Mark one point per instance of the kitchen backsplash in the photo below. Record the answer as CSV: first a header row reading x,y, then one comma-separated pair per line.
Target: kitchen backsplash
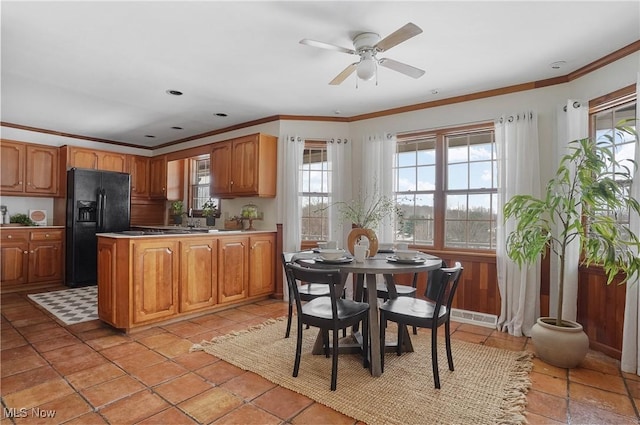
x,y
22,205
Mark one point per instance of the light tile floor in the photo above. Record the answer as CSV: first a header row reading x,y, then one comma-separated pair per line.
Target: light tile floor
x,y
89,373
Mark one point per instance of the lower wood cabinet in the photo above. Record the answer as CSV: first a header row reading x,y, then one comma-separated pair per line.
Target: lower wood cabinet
x,y
155,279
143,280
198,274
30,256
262,251
233,268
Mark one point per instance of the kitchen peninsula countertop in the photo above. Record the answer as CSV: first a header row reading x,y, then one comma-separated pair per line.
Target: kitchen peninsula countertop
x,y
173,231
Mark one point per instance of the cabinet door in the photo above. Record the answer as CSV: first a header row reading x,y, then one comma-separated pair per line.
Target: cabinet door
x,y
220,169
107,281
158,177
11,167
155,279
14,262
82,158
42,170
261,265
244,174
45,261
198,273
139,170
233,269
112,161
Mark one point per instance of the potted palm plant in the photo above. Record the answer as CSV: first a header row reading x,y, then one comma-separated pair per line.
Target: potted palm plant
x,y
586,201
210,211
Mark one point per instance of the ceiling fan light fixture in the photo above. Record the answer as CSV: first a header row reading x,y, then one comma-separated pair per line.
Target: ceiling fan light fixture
x,y
366,69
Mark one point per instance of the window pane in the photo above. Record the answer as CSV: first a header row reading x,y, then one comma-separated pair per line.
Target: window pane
x,y
426,178
406,180
456,207
315,196
480,175
457,176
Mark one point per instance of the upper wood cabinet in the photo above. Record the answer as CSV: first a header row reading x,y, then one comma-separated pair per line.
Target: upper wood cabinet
x,y
245,166
94,159
139,171
158,177
28,169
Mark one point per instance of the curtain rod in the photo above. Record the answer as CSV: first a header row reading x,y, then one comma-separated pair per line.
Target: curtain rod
x,y
576,105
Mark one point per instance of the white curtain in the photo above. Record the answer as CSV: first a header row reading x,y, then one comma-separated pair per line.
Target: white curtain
x,y
289,198
518,173
377,175
573,124
630,361
339,156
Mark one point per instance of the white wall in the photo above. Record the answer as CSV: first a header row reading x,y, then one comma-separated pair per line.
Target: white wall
x,y
545,101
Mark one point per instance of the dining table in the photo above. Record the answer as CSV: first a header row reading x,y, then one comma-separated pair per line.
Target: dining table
x,y
385,264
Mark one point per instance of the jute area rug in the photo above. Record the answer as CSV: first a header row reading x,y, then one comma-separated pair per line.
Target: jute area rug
x,y
488,385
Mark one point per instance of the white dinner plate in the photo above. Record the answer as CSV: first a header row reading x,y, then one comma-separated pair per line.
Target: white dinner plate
x,y
414,260
341,260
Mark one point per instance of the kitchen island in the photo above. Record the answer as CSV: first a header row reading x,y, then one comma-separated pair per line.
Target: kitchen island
x,y
149,277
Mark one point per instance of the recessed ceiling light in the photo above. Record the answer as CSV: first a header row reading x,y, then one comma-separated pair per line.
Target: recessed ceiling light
x,y
174,92
434,91
176,128
558,64
337,112
149,136
220,114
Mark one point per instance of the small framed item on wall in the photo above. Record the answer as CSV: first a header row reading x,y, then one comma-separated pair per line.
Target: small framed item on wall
x,y
39,217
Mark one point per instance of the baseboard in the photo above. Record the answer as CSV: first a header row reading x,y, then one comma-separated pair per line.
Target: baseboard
x,y
474,318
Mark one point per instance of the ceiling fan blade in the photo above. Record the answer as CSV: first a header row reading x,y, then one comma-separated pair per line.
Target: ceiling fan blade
x,y
323,45
344,74
409,70
393,39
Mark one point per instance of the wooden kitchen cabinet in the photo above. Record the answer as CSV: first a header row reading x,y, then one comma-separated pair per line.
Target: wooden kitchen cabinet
x,y
31,256
262,253
245,166
139,171
233,269
152,279
198,273
155,279
28,169
14,258
95,159
158,177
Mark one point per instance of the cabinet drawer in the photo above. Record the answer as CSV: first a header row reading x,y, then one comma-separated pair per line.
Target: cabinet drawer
x,y
49,235
13,236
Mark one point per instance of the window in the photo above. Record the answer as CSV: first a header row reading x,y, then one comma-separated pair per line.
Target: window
x,y
446,187
199,171
605,116
315,191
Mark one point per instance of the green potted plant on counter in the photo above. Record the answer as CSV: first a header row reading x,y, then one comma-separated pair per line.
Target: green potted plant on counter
x,y
588,201
210,211
176,211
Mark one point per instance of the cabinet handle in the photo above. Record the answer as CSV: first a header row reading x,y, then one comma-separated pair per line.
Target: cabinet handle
x,y
31,252
46,235
19,182
9,236
25,252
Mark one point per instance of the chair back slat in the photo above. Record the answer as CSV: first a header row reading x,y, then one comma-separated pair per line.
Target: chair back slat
x,y
442,286
330,277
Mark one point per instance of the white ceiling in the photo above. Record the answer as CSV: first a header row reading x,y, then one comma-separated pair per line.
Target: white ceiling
x,y
101,69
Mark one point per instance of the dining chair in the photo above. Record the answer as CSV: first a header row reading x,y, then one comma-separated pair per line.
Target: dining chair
x,y
432,313
307,291
329,313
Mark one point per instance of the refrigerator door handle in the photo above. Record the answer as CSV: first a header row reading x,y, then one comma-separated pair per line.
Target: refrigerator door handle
x,y
104,209
100,212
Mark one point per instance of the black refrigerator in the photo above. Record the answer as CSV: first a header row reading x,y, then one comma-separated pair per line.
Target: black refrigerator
x,y
97,202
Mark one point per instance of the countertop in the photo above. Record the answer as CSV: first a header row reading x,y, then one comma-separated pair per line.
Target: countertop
x,y
12,226
173,231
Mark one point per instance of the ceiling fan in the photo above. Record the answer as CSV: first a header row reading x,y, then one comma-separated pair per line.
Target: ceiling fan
x,y
367,45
